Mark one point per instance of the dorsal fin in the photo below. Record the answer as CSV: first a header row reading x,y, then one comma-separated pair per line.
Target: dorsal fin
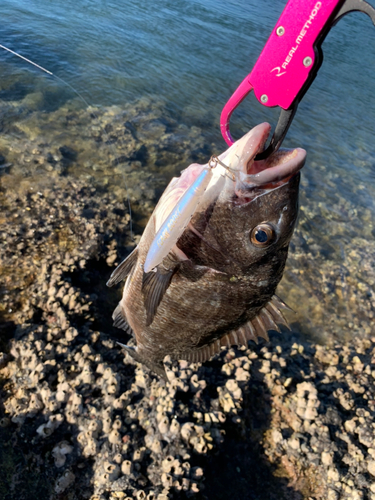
x,y
273,307
280,303
156,283
249,332
124,269
266,319
260,327
120,321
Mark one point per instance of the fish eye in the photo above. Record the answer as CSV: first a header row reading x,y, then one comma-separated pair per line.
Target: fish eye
x,y
262,235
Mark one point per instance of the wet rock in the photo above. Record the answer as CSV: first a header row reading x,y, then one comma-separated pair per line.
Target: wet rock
x,y
68,153
64,481
140,154
371,467
59,453
70,397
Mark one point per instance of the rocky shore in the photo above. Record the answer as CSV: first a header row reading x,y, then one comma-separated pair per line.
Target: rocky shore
x,y
289,419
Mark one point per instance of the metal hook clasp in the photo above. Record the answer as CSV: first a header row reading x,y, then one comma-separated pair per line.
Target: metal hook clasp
x,y
213,161
229,171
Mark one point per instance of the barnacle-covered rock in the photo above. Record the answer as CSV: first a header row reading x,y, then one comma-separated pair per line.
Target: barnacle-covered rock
x,y
67,386
60,451
64,481
126,467
52,424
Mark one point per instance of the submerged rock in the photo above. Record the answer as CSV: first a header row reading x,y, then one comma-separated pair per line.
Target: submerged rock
x,y
88,423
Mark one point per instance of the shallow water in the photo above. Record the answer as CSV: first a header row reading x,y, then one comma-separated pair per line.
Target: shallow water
x,y
170,67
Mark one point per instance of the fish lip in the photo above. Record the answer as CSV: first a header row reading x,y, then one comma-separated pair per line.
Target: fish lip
x,y
272,172
276,170
261,133
246,148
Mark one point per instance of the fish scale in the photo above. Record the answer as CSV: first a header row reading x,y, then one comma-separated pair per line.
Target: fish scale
x,y
216,287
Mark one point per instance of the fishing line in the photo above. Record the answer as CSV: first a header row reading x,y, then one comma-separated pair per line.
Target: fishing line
x,y
80,96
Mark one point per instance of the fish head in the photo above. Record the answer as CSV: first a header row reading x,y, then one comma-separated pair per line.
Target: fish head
x,y
254,214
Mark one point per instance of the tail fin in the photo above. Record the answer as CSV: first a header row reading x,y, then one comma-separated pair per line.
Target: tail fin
x,y
157,368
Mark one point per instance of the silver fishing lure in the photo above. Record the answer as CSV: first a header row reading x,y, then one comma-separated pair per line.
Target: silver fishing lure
x,y
180,216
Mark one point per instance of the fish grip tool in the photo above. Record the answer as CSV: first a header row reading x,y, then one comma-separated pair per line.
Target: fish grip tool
x,y
289,62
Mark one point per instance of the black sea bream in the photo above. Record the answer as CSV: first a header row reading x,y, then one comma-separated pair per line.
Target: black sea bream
x,y
216,287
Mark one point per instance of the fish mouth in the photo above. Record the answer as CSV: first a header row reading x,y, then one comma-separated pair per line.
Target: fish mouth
x,y
270,173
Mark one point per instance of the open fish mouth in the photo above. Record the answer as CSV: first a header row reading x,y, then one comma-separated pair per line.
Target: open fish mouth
x,y
270,173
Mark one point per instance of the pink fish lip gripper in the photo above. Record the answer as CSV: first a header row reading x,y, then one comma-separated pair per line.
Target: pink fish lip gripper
x,y
289,62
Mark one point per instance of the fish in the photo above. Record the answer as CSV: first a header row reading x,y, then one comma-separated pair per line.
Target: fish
x,y
216,286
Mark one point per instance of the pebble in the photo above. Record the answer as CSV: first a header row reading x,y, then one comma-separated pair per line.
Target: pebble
x,y
70,397
371,467
64,481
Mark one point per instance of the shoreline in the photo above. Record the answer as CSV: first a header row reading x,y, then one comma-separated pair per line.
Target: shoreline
x,y
287,419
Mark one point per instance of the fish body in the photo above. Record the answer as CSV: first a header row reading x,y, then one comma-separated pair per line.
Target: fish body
x,y
216,286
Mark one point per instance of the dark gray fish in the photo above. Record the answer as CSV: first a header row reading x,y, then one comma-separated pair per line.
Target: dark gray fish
x,y
216,287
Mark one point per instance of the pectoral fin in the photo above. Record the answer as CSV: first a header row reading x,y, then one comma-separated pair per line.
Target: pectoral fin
x,y
155,284
124,269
